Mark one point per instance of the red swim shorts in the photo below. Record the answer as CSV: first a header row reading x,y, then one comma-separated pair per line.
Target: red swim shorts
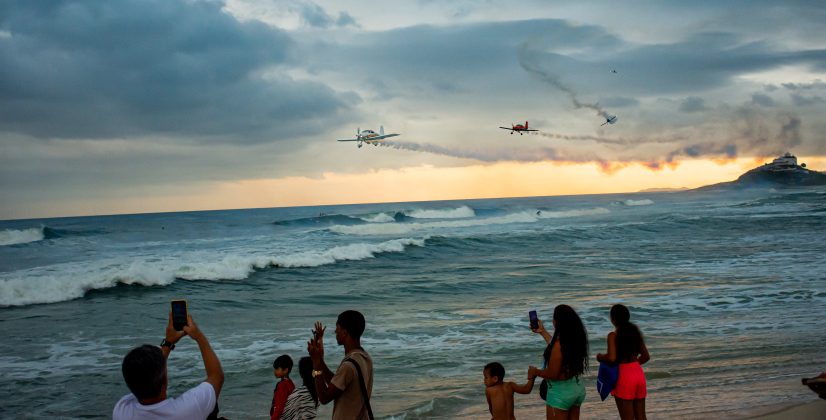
x,y
631,382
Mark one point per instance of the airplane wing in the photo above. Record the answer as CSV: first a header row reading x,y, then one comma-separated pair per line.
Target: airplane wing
x,y
349,140
507,128
528,130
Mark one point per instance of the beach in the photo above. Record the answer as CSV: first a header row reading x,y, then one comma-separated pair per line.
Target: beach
x,y
815,410
728,289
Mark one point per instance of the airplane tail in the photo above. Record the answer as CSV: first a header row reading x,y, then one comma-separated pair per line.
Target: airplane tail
x,y
526,125
381,130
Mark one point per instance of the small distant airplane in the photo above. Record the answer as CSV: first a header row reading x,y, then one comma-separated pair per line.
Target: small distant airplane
x,y
613,71
519,128
611,119
370,136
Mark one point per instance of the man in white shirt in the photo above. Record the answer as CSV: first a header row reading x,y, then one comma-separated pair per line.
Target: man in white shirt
x,y
144,370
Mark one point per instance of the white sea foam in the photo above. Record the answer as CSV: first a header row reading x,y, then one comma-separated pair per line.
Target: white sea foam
x,y
643,202
457,213
13,237
377,229
572,213
358,251
379,218
68,281
529,216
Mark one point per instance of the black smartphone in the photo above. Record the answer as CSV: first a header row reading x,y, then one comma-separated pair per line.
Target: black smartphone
x,y
534,320
178,314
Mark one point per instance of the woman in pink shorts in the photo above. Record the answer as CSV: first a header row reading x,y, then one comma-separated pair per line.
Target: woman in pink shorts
x,y
627,347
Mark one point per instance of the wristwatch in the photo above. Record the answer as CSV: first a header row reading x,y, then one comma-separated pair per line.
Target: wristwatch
x,y
169,344
316,373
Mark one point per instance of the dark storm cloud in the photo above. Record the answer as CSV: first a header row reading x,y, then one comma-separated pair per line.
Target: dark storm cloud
x,y
344,19
315,16
481,56
762,100
700,62
478,55
805,94
816,85
129,68
802,100
692,104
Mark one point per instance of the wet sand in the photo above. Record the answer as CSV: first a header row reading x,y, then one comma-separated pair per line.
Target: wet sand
x,y
815,410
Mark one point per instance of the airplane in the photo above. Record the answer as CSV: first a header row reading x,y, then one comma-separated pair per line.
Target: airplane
x,y
613,71
370,136
518,128
611,119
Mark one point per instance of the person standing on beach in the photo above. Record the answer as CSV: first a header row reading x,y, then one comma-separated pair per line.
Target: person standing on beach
x,y
627,347
302,404
566,359
500,393
350,387
281,367
144,371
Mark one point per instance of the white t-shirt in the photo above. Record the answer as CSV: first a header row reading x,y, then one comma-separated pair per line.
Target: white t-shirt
x,y
195,404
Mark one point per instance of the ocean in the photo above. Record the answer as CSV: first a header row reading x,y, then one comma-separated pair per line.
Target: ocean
x,y
729,290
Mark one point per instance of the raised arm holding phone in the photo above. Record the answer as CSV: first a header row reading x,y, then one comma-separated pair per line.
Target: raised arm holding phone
x,y
144,371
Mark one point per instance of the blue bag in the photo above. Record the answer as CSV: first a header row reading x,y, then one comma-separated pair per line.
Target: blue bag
x,y
606,379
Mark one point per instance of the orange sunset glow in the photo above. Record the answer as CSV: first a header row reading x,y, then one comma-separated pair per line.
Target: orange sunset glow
x,y
424,183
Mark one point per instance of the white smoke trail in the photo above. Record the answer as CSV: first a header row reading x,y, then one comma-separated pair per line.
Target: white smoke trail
x,y
597,139
744,130
518,155
526,60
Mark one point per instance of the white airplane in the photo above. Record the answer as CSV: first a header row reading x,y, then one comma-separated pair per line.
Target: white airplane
x,y
611,119
370,136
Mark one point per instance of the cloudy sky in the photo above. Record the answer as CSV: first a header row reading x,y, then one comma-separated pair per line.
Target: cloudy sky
x,y
126,106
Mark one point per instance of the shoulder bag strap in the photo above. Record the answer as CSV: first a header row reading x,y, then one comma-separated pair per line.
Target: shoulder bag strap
x,y
363,388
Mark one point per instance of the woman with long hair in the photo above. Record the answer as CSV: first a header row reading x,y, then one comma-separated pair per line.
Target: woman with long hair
x,y
627,347
303,402
566,359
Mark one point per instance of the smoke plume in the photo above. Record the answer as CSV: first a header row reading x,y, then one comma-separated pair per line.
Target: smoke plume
x,y
527,59
518,155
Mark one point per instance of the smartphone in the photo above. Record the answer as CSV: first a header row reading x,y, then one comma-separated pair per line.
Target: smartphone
x,y
534,320
178,314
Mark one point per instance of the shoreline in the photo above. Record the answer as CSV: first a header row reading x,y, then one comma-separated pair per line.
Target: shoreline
x,y
813,410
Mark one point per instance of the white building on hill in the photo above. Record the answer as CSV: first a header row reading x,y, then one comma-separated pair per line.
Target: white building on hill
x,y
787,161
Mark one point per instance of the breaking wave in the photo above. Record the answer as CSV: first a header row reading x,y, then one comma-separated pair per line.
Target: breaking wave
x,y
63,282
22,236
527,216
629,202
457,213
379,218
326,220
320,220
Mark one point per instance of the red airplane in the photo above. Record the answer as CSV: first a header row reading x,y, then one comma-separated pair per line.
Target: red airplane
x,y
519,128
